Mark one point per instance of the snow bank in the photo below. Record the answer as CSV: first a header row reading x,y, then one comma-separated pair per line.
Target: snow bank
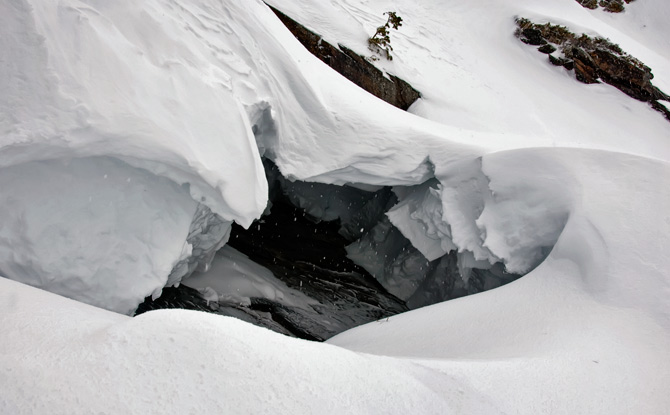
x,y
65,357
125,152
586,331
195,92
179,90
66,228
176,96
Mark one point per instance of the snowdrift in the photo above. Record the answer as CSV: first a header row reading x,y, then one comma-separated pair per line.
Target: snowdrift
x,y
69,358
190,95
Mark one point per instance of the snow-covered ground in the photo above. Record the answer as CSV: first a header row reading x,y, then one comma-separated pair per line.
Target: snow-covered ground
x,y
122,122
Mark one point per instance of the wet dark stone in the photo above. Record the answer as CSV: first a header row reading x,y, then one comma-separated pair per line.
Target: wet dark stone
x,y
548,48
353,66
560,61
584,72
175,297
533,37
310,257
589,4
617,71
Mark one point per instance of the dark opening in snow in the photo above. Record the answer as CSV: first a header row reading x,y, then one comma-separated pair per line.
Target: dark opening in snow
x,y
337,247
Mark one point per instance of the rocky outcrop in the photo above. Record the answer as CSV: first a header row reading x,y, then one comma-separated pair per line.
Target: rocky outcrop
x,y
353,66
594,60
612,6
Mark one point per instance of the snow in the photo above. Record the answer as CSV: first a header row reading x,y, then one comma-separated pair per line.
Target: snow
x,y
118,81
587,330
238,279
130,139
418,216
84,238
64,357
490,90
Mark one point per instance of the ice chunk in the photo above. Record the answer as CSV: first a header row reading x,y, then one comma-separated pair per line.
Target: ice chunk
x,y
418,215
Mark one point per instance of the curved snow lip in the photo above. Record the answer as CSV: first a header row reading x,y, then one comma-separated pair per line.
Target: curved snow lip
x,y
606,269
94,229
90,89
97,89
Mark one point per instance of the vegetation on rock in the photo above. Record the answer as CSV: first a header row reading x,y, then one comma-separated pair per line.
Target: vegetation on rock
x,y
612,6
381,40
353,66
593,60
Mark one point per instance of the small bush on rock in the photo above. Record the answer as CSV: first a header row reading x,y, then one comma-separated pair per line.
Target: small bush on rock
x,y
381,40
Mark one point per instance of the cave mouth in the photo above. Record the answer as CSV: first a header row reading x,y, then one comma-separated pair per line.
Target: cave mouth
x,y
335,248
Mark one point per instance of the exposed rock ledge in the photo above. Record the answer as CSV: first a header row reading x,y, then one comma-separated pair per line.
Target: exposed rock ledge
x,y
594,60
612,6
353,66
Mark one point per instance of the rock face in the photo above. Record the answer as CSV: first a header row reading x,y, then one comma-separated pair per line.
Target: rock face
x,y
353,66
612,6
594,60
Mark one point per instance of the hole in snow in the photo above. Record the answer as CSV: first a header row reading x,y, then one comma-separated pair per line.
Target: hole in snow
x,y
325,258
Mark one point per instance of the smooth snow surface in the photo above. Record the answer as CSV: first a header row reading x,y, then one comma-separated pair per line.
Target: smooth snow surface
x,y
121,121
64,357
73,216
234,278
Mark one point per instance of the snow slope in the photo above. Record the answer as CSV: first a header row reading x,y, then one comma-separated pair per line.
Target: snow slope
x,y
474,75
588,331
182,90
65,357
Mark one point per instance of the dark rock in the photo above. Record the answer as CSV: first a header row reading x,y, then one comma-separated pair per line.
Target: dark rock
x,y
310,257
560,61
172,297
661,108
548,48
612,6
533,37
556,61
595,59
353,66
291,319
585,69
584,72
186,298
624,74
589,4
